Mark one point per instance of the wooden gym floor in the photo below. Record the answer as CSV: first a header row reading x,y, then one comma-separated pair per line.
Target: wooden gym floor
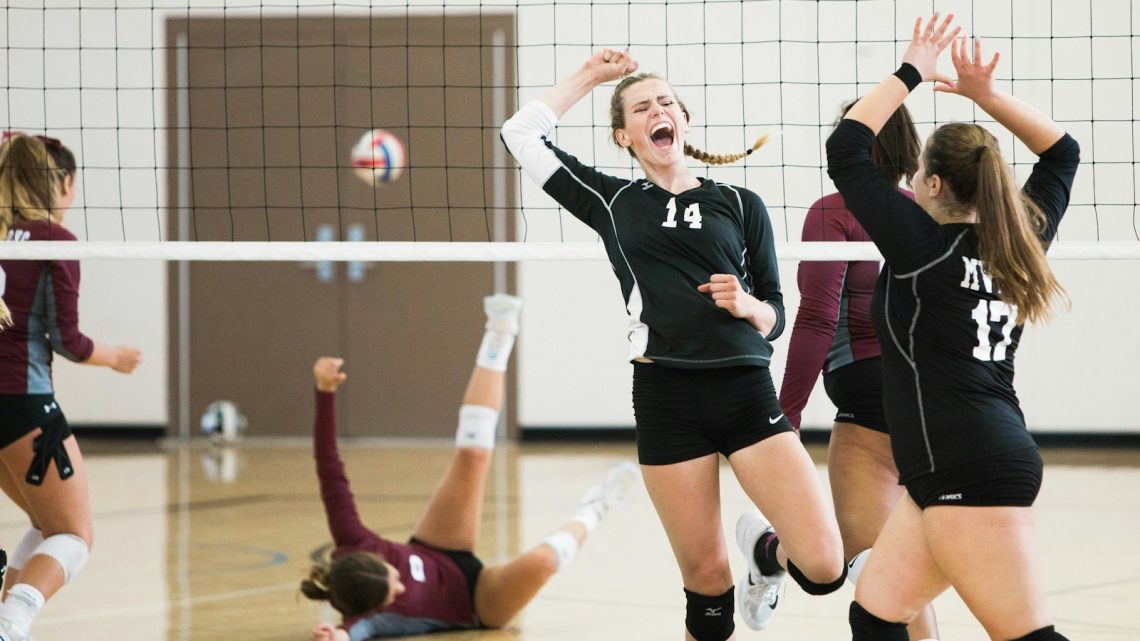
x,y
197,543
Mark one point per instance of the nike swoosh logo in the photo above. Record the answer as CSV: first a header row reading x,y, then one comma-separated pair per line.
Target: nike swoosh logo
x,y
775,419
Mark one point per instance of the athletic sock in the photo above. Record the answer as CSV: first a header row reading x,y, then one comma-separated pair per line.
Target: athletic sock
x,y
19,609
765,553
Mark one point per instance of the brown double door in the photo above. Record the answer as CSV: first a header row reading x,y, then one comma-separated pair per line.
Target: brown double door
x,y
266,112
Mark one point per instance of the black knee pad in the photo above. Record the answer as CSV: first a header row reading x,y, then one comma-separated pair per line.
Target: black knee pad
x,y
816,589
1044,634
868,627
709,618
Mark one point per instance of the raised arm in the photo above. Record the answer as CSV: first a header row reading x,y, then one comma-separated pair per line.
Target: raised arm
x,y
976,82
340,508
603,66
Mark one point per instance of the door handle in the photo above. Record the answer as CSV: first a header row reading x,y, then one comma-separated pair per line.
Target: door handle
x,y
356,268
325,269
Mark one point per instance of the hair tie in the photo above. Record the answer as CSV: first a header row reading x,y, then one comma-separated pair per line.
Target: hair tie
x,y
979,151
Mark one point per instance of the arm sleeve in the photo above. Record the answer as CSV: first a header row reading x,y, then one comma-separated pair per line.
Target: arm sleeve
x,y
1051,183
905,234
821,285
63,311
760,250
582,190
340,509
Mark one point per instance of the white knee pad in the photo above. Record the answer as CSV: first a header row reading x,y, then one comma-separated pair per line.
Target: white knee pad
x,y
477,426
25,548
68,550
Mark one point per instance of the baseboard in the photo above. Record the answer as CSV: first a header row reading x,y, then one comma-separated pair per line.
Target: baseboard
x,y
118,431
816,436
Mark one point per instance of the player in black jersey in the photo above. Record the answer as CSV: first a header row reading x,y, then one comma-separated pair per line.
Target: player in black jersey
x,y
965,267
697,267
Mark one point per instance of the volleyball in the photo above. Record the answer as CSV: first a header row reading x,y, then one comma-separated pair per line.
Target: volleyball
x,y
378,157
223,422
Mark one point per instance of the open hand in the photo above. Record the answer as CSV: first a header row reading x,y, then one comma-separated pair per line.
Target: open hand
x,y
610,64
327,373
326,632
975,77
927,44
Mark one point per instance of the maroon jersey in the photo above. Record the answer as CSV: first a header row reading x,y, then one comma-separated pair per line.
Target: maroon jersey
x,y
833,326
44,298
436,588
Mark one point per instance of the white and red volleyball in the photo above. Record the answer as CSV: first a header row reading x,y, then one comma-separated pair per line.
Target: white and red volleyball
x,y
378,157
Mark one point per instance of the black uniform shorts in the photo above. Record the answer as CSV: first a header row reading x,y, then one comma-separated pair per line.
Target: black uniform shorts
x,y
683,414
856,390
468,563
1010,479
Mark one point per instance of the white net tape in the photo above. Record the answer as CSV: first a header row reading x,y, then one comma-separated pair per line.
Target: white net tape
x,y
458,252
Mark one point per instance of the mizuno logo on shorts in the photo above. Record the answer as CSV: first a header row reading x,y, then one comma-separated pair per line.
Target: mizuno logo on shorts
x,y
713,612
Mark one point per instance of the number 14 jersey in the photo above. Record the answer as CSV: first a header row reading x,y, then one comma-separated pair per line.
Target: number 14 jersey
x,y
662,246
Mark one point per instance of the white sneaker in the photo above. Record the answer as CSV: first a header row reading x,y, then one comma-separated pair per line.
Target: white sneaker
x,y
619,480
502,313
756,594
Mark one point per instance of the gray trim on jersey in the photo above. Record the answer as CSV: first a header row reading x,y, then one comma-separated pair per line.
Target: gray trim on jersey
x,y
39,352
909,354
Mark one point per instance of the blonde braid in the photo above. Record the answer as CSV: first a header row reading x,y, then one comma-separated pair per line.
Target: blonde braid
x,y
723,159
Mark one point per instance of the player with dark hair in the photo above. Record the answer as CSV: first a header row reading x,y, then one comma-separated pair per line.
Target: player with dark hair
x,y
697,267
434,583
43,466
833,334
965,267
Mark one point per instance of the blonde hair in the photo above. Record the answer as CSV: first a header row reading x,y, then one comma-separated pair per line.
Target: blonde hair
x,y
1009,225
30,181
617,121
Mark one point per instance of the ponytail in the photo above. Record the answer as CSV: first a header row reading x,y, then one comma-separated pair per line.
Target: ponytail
x,y
1009,228
353,584
724,159
30,181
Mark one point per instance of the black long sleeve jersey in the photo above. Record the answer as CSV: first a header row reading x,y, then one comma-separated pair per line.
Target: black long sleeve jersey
x,y
948,339
661,247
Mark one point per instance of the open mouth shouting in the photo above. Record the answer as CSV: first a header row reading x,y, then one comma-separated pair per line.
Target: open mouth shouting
x,y
662,135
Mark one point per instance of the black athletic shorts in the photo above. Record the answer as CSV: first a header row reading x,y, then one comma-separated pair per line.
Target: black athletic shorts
x,y
467,562
856,390
1011,479
22,413
683,414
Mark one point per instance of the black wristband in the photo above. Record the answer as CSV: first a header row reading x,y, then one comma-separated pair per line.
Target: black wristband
x,y
909,75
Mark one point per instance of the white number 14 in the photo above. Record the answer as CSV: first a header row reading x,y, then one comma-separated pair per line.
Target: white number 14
x,y
692,215
992,312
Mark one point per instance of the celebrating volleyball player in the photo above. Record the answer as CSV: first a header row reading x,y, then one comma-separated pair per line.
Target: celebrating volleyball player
x,y
43,469
697,267
833,333
434,583
965,267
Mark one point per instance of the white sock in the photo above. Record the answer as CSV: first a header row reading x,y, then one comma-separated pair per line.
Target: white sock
x,y
592,509
20,608
565,547
477,427
495,350
855,566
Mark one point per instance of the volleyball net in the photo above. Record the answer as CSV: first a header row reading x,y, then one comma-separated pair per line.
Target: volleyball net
x,y
224,130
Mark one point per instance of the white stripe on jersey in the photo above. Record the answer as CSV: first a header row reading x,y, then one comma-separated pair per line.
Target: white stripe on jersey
x,y
524,135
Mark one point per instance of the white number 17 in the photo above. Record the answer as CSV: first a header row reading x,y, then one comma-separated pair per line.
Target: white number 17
x,y
992,312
